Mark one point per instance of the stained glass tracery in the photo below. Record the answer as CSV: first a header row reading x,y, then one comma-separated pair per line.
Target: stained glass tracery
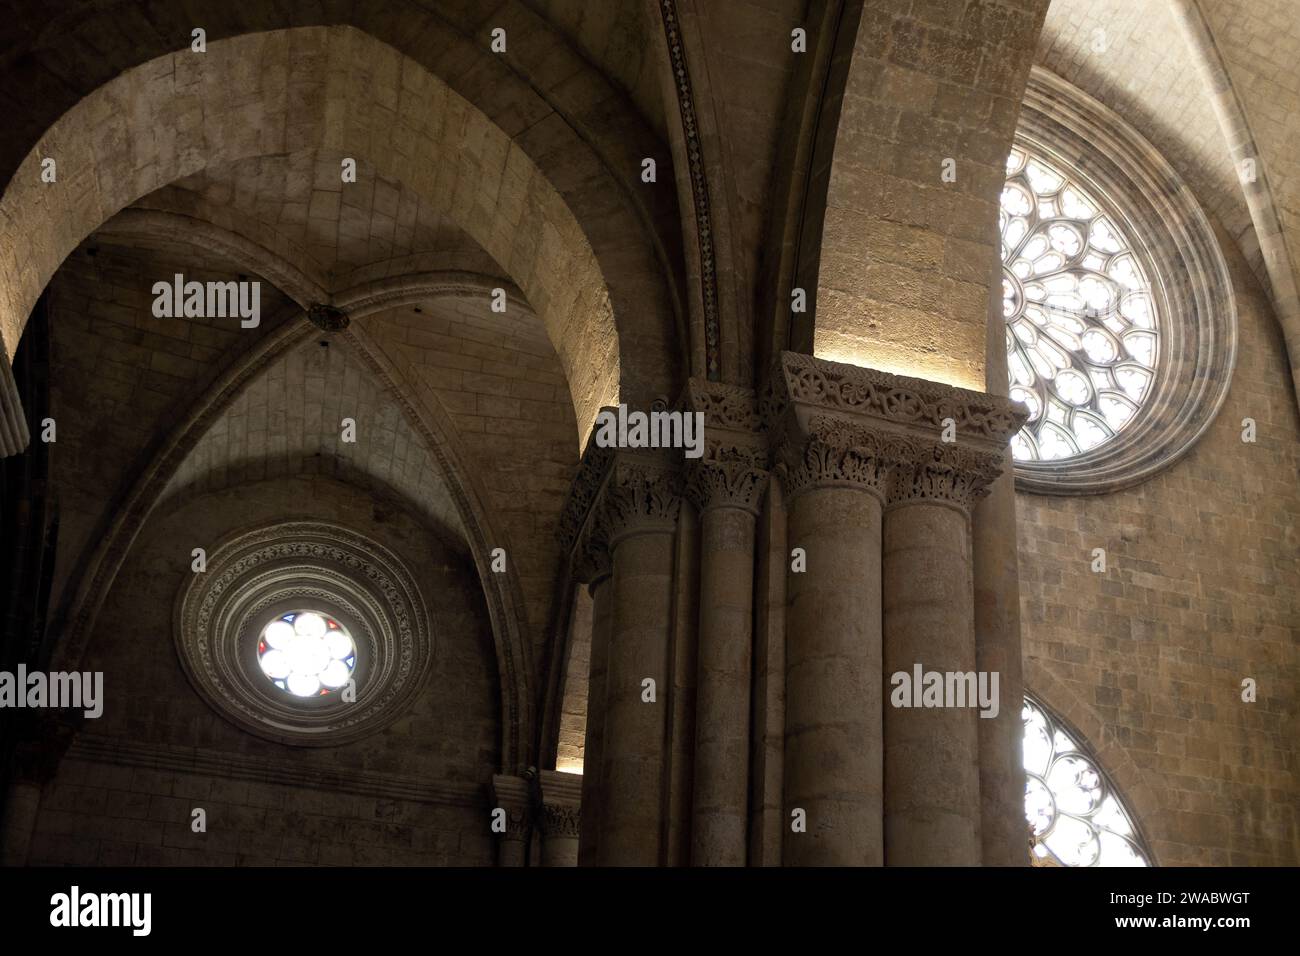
x,y
1082,325
1075,816
307,653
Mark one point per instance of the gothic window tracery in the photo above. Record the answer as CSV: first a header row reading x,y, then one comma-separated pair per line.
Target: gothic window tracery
x,y
306,653
1074,813
1082,325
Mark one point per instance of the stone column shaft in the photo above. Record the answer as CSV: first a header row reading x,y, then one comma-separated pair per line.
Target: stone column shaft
x,y
766,803
632,758
997,627
681,733
622,515
593,745
932,804
635,511
833,761
721,797
727,486
997,649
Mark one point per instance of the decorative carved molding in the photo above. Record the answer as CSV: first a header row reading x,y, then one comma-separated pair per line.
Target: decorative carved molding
x,y
699,187
899,401
840,424
220,611
724,406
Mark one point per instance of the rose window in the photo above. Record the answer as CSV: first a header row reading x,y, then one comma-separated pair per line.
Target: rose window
x,y
1082,324
306,653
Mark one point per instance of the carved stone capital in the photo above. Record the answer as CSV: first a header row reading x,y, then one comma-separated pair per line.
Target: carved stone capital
x,y
897,467
900,438
559,799
837,456
938,472
640,496
561,821
616,493
733,470
730,475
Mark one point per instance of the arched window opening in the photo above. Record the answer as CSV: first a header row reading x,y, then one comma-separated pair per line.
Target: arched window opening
x,y
1075,814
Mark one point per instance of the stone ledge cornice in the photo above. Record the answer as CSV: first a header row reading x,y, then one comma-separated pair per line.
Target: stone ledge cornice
x,y
802,386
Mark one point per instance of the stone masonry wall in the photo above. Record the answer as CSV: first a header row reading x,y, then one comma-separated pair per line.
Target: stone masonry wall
x,y
1202,590
414,793
904,280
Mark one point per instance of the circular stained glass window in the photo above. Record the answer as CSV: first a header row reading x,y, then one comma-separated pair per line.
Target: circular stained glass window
x,y
1074,813
307,653
1082,323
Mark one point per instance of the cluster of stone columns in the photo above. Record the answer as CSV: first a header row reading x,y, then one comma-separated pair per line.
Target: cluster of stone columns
x,y
879,476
